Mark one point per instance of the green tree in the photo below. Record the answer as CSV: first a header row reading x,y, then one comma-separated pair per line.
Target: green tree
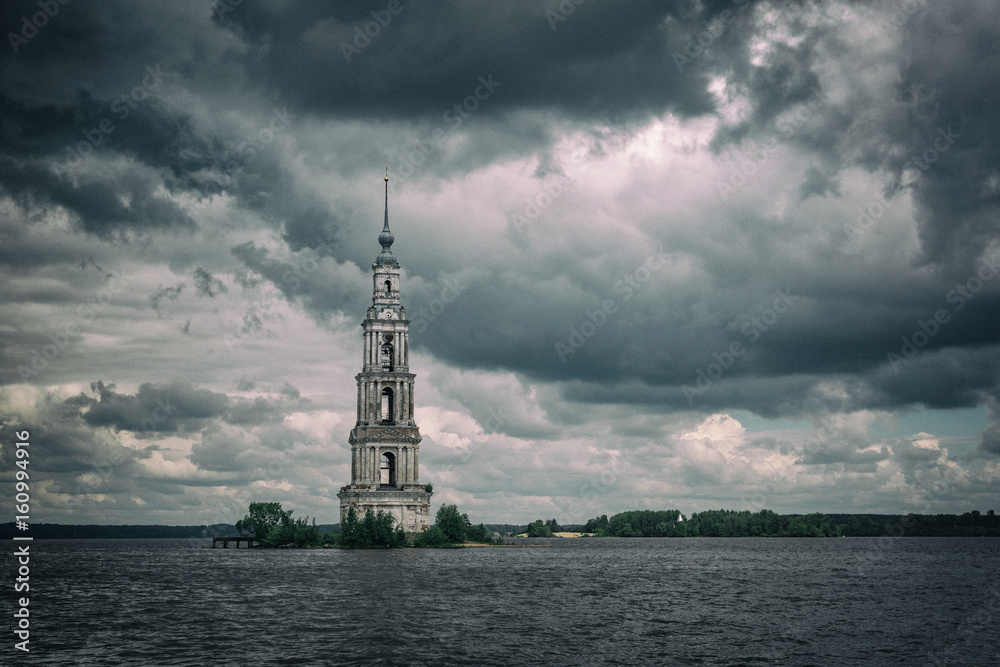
x,y
296,532
374,531
539,529
306,534
797,528
260,519
766,523
349,528
279,536
451,523
628,531
812,525
433,537
664,529
596,525
274,527
640,523
475,533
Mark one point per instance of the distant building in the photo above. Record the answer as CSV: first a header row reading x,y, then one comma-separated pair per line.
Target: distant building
x,y
385,442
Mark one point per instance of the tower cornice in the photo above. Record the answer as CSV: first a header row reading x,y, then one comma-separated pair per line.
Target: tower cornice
x,y
385,434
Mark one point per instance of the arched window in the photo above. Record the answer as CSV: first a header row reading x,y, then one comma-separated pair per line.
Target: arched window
x,y
387,404
388,469
388,289
387,350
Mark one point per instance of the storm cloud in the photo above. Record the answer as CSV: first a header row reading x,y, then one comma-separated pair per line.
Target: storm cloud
x,y
724,250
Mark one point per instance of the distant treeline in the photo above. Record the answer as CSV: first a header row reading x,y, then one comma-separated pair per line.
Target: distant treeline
x,y
642,523
765,523
713,523
505,528
55,531
972,523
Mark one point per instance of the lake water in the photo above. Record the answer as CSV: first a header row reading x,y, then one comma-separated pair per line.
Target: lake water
x,y
847,601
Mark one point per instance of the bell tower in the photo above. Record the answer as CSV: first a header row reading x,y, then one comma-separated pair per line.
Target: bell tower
x,y
385,441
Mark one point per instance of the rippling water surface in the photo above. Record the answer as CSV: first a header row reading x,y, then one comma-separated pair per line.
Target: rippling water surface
x,y
848,601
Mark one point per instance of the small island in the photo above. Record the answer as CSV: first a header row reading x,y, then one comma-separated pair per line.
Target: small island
x,y
273,527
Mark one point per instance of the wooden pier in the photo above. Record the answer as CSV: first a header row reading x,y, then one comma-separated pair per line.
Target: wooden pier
x,y
226,540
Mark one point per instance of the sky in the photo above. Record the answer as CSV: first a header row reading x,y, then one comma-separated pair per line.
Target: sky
x,y
687,255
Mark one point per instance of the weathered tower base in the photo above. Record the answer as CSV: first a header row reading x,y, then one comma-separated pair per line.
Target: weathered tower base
x,y
410,506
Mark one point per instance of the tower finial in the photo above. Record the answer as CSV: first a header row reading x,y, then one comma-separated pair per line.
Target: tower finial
x,y
386,238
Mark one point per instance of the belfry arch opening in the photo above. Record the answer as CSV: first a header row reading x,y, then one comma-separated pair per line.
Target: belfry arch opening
x,y
387,406
388,289
388,469
387,359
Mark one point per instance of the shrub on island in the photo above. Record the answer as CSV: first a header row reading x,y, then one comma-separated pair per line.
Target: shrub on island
x,y
275,527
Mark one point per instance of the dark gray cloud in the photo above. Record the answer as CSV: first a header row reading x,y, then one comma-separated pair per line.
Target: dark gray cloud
x,y
934,128
321,284
599,63
164,297
601,60
78,460
91,475
205,284
153,408
949,83
245,384
223,450
178,406
119,203
260,410
990,443
710,157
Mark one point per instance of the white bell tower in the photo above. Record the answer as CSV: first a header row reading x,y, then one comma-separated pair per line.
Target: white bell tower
x,y
385,441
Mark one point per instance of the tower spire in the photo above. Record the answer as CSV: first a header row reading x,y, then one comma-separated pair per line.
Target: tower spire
x,y
386,238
